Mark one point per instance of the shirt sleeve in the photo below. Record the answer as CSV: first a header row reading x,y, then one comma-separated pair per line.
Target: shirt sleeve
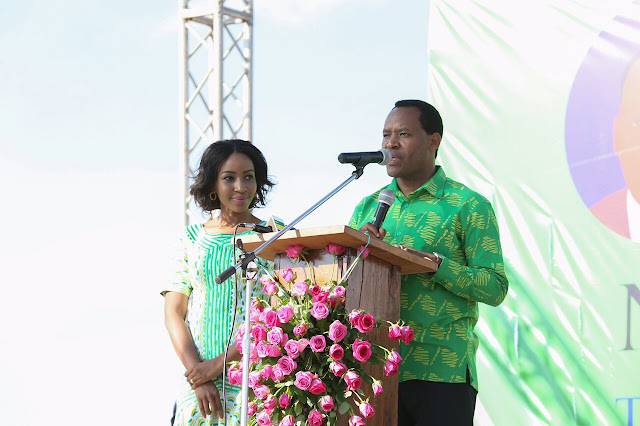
x,y
483,278
180,282
356,217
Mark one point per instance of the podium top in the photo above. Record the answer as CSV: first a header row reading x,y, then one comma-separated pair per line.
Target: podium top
x,y
318,238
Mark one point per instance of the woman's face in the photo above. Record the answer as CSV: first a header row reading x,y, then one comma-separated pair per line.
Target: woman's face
x,y
236,184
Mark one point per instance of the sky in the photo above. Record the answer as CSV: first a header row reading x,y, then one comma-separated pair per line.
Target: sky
x,y
89,173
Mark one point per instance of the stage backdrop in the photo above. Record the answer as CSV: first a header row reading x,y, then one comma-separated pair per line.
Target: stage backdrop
x,y
541,109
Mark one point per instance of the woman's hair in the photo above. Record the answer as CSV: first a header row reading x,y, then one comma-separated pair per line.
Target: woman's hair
x,y
213,157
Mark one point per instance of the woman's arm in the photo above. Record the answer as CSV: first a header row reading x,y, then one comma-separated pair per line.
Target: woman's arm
x,y
175,312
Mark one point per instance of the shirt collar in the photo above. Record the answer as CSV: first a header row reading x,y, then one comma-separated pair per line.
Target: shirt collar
x,y
434,186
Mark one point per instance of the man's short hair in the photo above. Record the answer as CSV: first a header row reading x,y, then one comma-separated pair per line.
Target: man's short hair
x,y
429,116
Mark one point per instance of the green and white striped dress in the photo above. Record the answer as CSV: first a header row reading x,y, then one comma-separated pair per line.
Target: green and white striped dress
x,y
202,257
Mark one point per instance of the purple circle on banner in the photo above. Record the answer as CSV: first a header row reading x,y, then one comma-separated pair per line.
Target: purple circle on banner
x,y
594,104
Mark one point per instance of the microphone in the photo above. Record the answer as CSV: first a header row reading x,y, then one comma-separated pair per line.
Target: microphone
x,y
258,228
385,199
383,157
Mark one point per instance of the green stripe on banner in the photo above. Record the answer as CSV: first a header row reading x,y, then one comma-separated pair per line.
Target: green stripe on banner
x,y
541,110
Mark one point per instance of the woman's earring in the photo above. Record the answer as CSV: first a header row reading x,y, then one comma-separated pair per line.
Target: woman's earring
x,y
213,196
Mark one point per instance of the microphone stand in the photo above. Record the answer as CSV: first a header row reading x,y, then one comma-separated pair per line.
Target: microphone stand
x,y
245,259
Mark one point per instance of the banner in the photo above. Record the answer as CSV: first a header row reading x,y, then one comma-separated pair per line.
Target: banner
x,y
541,110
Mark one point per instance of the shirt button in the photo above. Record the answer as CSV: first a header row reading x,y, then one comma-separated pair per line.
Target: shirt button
x,y
398,233
405,205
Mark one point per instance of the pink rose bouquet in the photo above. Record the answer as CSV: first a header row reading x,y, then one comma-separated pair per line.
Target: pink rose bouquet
x,y
308,352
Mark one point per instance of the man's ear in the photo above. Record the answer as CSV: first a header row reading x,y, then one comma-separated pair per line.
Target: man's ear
x,y
434,140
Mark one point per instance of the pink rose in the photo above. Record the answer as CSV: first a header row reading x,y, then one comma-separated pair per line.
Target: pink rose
x,y
336,352
395,358
293,349
377,387
274,351
266,372
317,387
262,391
235,375
337,331
294,251
315,290
361,350
364,251
259,332
323,296
287,275
353,380
270,288
366,323
303,380
264,418
270,318
271,401
390,368
287,365
254,379
326,403
285,313
299,289
252,408
395,332
337,368
275,335
276,373
317,343
302,344
301,329
263,349
287,421
354,317
315,418
356,421
285,400
366,410
338,291
320,310
253,354
407,334
334,249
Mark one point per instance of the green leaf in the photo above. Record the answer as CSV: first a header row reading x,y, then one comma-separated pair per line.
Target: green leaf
x,y
344,407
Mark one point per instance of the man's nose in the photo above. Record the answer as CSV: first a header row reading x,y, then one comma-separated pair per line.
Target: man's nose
x,y
390,142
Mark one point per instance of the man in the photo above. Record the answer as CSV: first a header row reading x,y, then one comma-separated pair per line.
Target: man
x,y
620,211
440,219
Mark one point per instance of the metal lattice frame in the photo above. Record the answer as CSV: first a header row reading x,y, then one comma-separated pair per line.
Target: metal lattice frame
x,y
216,59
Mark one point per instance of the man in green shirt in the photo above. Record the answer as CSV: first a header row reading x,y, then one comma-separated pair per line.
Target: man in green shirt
x,y
443,220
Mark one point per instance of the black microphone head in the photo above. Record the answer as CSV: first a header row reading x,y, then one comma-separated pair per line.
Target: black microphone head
x,y
386,196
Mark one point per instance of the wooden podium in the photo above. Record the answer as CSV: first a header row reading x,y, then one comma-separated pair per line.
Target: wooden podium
x,y
374,286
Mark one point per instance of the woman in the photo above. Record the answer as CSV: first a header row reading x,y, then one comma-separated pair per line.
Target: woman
x,y
232,177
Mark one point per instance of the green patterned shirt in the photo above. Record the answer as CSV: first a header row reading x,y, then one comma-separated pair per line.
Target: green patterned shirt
x,y
446,217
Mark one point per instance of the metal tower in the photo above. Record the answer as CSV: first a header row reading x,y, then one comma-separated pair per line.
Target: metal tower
x,y
216,59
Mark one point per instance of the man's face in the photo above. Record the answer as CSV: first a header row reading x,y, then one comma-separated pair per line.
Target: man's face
x,y
627,130
412,149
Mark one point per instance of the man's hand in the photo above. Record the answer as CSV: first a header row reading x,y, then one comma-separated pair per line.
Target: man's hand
x,y
209,400
373,231
203,372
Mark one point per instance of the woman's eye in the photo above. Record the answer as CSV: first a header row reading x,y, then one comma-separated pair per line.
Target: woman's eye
x,y
228,178
249,177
